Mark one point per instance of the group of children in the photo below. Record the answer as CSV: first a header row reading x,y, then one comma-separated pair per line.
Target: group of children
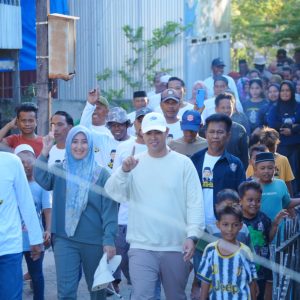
x,y
247,223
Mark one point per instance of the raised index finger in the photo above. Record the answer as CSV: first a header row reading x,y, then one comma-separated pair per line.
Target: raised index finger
x,y
133,151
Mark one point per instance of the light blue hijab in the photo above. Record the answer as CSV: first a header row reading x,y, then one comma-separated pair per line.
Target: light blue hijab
x,y
83,171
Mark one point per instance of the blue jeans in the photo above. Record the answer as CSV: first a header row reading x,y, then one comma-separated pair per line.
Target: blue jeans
x,y
35,270
11,279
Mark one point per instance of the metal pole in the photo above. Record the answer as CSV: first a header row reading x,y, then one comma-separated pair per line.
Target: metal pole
x,y
42,65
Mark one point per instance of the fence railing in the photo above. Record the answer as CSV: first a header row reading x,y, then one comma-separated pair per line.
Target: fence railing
x,y
287,254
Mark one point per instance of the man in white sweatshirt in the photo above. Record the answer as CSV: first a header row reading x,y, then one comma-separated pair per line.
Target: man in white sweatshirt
x,y
165,212
15,201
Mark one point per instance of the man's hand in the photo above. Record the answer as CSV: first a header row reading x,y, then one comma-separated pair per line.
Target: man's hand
x,y
110,251
35,251
12,124
130,162
48,142
93,96
47,238
188,249
285,131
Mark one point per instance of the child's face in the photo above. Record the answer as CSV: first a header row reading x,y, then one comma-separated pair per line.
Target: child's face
x,y
229,226
250,203
139,102
255,90
264,171
27,122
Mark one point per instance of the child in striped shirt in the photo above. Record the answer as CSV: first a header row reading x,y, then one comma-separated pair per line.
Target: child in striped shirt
x,y
227,270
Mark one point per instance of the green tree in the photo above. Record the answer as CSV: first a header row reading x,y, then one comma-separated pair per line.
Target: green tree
x,y
144,60
264,23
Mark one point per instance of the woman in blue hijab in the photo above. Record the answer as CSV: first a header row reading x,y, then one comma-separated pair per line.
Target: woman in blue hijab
x,y
285,118
84,218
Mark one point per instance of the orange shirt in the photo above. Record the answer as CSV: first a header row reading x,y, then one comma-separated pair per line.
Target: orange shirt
x,y
15,140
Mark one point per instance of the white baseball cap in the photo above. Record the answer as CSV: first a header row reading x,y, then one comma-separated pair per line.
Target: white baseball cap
x,y
23,147
259,60
165,78
154,121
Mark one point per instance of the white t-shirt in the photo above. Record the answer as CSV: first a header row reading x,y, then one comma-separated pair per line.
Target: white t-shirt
x,y
131,117
154,100
208,187
209,108
56,155
105,149
175,131
123,151
101,129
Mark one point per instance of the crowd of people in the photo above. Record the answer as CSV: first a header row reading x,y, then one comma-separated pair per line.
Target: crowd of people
x,y
171,186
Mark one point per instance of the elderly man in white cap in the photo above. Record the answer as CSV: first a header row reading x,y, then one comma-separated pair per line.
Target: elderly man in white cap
x,y
259,63
165,212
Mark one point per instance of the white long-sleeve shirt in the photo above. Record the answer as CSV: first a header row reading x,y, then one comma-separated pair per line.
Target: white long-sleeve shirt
x,y
165,201
16,198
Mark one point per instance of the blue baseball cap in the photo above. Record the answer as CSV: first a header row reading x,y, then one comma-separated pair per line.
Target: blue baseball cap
x,y
217,62
191,120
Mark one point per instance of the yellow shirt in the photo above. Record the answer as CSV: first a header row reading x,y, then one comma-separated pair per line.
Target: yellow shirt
x,y
282,168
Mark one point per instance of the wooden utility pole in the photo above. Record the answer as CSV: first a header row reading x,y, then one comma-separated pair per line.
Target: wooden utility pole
x,y
42,66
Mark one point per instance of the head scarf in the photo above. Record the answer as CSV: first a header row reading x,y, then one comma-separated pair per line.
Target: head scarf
x,y
287,107
78,173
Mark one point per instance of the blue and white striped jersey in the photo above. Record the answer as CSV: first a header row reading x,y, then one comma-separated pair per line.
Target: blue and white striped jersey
x,y
229,276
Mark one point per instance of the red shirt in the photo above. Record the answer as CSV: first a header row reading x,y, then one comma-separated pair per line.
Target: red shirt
x,y
15,140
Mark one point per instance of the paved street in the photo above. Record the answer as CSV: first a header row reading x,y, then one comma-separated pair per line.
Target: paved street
x,y
50,283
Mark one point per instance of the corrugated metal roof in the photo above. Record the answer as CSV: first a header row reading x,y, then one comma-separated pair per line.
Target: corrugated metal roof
x,y
101,43
10,26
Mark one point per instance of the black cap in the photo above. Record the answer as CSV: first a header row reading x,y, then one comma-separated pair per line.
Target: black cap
x,y
217,62
139,94
264,156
